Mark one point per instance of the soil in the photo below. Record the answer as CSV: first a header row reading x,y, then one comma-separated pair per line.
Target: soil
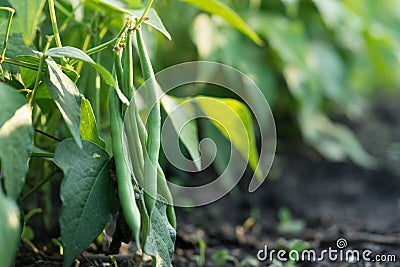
x,y
327,201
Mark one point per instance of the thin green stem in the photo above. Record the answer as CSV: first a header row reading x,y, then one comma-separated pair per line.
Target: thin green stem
x,y
109,43
38,186
48,135
38,76
41,64
42,155
54,23
10,16
105,45
143,17
20,63
97,78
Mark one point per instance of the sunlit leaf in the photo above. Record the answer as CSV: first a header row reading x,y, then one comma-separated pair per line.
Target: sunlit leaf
x,y
76,53
27,17
234,120
88,124
218,8
87,194
9,229
129,7
154,20
66,95
182,117
16,135
15,47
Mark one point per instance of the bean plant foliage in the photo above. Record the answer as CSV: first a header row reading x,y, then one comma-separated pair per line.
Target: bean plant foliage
x,y
67,77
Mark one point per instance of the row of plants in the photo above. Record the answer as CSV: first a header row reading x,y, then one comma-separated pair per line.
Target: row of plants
x,y
70,68
63,110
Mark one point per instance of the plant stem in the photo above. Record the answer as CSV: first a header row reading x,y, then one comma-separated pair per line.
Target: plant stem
x,y
54,23
38,185
39,74
20,63
109,43
97,107
48,135
42,155
143,17
10,16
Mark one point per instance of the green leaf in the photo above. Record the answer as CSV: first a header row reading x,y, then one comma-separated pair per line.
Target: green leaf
x,y
88,124
9,229
183,118
15,47
132,8
76,53
27,17
16,135
134,3
66,95
87,194
334,141
286,37
161,238
154,20
116,5
28,76
218,8
234,120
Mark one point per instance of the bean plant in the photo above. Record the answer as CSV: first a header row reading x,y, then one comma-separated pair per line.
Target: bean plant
x,y
62,112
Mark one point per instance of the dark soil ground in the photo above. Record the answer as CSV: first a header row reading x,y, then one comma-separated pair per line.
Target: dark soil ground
x,y
327,201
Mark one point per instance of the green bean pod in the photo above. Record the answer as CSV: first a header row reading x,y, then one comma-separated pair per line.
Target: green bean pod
x,y
162,187
153,126
130,126
128,65
126,192
163,190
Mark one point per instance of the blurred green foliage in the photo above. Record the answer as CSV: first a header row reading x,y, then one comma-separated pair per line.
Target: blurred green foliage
x,y
320,59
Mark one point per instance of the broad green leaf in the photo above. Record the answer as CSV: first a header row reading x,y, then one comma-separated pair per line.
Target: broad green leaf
x,y
16,135
88,124
87,194
218,8
182,117
15,47
154,20
27,17
76,53
9,229
160,241
11,101
234,120
28,76
66,95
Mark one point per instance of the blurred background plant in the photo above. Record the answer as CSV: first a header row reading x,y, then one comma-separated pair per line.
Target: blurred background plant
x,y
320,60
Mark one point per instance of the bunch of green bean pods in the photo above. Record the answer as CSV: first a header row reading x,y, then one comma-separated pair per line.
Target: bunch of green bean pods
x,y
143,140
